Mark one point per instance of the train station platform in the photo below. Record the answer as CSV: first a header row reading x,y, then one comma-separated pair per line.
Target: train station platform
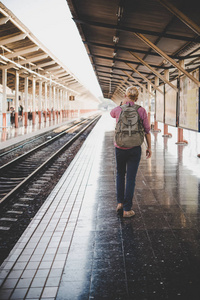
x,y
10,135
76,247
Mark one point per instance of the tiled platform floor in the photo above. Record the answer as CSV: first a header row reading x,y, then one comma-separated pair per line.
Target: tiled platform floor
x,y
77,248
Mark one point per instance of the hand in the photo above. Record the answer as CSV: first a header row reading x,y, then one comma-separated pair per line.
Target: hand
x,y
148,153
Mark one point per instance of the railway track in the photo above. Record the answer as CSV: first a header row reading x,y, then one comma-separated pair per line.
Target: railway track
x,y
26,183
17,150
18,172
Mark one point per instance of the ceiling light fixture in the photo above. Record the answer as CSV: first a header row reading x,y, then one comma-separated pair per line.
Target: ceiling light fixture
x,y
115,39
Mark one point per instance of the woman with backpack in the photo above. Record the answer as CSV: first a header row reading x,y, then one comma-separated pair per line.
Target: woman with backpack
x,y
132,126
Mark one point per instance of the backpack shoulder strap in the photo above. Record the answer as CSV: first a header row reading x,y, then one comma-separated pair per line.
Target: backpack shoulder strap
x,y
137,106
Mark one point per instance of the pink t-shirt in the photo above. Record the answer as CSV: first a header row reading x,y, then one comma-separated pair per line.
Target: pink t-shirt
x,y
115,113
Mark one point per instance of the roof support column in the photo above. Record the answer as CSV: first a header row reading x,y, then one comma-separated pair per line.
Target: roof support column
x,y
63,95
166,133
26,102
61,103
45,101
33,95
144,95
57,103
50,99
4,100
155,122
149,103
40,102
68,105
65,103
180,130
16,98
54,101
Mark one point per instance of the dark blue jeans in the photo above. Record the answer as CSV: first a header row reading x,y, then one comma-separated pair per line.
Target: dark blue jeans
x,y
127,164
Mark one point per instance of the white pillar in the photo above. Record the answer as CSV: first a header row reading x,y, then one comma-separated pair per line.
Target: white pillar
x,y
4,100
26,102
166,133
45,96
149,103
149,97
180,130
45,101
54,98
54,101
58,100
50,100
66,104
61,101
155,121
144,96
33,95
40,102
16,98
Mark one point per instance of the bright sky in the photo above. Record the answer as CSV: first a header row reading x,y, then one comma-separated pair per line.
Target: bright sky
x,y
51,23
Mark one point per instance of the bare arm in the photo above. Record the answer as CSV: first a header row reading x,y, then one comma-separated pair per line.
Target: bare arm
x,y
148,139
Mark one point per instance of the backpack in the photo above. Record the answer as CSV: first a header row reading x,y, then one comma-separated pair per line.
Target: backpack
x,y
129,130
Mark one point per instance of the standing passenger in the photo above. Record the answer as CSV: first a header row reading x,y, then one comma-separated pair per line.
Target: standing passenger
x,y
127,159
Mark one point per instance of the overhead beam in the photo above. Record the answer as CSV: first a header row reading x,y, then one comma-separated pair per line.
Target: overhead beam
x,y
13,39
114,78
10,65
65,79
21,52
181,16
154,71
137,50
118,48
159,51
33,73
138,83
147,80
35,58
45,64
4,20
116,68
53,68
109,79
125,81
126,61
137,30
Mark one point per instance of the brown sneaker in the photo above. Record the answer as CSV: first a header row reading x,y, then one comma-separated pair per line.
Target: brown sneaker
x,y
119,209
128,214
119,206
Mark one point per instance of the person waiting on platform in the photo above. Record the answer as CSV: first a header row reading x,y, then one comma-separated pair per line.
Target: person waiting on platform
x,y
12,115
20,112
128,147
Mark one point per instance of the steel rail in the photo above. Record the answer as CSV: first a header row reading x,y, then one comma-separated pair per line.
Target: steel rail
x,y
41,145
50,159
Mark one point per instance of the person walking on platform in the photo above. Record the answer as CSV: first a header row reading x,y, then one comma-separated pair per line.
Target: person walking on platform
x,y
132,126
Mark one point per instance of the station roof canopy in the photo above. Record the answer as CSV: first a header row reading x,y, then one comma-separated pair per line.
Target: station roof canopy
x,y
132,42
20,50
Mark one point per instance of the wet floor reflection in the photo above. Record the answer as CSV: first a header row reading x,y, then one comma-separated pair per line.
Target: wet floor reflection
x,y
12,132
155,255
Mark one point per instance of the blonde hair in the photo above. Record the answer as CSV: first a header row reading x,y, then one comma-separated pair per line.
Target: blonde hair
x,y
132,93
